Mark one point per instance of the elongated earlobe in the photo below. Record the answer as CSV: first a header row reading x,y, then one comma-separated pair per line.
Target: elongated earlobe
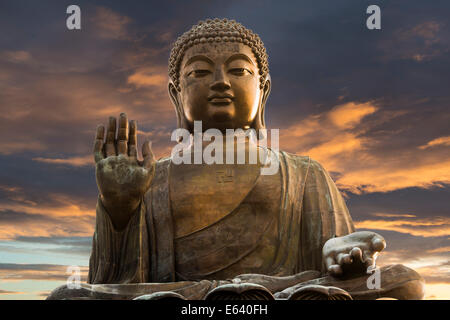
x,y
259,122
174,95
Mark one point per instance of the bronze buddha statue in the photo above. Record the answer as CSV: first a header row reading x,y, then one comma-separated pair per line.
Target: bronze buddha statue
x,y
164,227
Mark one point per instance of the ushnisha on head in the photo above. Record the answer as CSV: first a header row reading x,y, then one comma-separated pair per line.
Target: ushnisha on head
x,y
219,74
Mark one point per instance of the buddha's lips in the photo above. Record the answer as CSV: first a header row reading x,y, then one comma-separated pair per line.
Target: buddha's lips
x,y
221,99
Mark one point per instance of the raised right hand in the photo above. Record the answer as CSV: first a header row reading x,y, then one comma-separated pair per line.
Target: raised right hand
x,y
122,179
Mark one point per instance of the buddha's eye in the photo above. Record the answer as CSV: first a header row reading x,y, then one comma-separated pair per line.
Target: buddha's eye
x,y
240,71
198,73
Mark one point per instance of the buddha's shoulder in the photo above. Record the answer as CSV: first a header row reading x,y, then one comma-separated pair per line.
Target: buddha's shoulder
x,y
163,161
302,161
162,168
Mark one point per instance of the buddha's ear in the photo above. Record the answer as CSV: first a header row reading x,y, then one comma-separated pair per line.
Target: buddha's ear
x,y
266,90
260,122
175,97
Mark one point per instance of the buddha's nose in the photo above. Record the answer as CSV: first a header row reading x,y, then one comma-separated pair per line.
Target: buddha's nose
x,y
221,82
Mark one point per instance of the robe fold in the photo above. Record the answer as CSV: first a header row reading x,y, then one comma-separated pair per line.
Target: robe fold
x,y
280,237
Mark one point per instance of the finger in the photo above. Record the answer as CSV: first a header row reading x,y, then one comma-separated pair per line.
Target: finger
x,y
147,153
356,254
329,261
98,144
335,270
369,262
122,135
378,243
369,257
132,142
344,258
110,146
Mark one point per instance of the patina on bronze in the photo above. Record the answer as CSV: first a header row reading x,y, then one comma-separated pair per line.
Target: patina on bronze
x,y
168,231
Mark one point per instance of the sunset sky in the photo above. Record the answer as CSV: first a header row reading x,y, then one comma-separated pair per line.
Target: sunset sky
x,y
372,106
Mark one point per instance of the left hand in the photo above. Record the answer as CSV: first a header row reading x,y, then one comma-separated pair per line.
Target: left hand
x,y
353,253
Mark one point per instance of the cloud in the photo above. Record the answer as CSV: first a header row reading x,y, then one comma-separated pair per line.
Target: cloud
x,y
434,269
51,215
20,56
427,30
441,141
61,113
11,147
439,250
425,254
149,77
345,140
53,97
110,24
10,292
348,115
376,137
62,205
420,42
430,227
67,241
328,133
43,226
434,272
49,272
387,178
394,215
74,161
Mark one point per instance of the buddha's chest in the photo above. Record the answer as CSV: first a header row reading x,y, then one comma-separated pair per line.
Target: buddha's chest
x,y
201,195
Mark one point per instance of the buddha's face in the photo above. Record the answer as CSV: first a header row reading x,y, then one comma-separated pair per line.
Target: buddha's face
x,y
219,85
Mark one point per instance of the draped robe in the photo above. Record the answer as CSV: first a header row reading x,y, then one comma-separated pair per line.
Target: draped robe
x,y
280,237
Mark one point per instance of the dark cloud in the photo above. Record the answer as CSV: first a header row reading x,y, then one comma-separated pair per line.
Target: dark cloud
x,y
65,245
12,271
74,241
419,202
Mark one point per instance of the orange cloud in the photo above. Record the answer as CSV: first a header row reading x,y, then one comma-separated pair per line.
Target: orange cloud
x,y
63,216
339,140
441,141
348,115
430,227
6,292
330,133
65,206
149,77
439,250
385,177
431,264
62,96
79,111
74,161
63,227
19,272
